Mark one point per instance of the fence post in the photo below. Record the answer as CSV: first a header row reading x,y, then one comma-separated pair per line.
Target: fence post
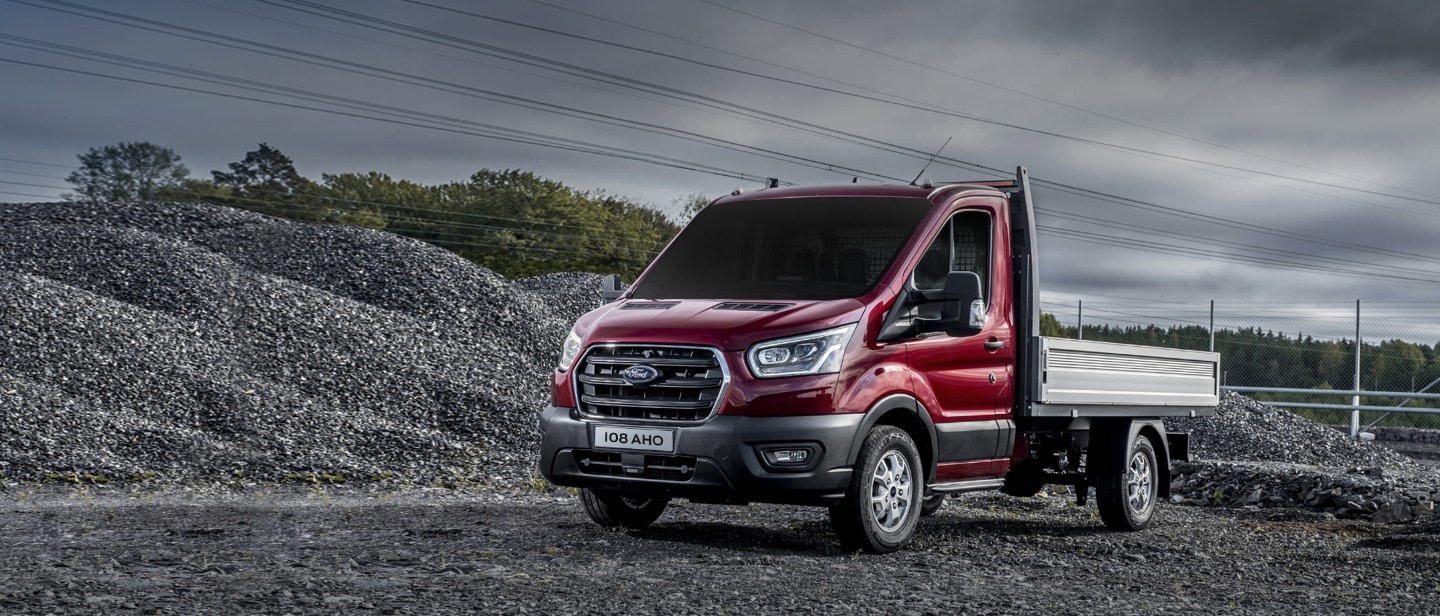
x,y
1079,319
1355,414
1212,326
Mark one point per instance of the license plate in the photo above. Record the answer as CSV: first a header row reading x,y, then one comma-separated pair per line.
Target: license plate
x,y
635,439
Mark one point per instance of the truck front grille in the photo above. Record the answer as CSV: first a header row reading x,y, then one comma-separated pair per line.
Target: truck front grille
x,y
687,385
610,464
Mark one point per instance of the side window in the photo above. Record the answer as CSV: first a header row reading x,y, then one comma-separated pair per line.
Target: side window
x,y
963,245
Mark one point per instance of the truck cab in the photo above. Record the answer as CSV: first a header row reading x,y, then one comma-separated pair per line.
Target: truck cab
x,y
869,348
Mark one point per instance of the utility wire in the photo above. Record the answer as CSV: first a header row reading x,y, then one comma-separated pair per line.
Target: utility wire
x,y
435,84
949,112
1090,220
1123,201
1037,97
590,149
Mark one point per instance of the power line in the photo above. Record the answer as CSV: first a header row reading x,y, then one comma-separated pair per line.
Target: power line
x,y
24,194
1089,220
595,149
376,41
1076,190
351,103
892,101
370,22
31,162
435,84
1044,99
1208,255
38,175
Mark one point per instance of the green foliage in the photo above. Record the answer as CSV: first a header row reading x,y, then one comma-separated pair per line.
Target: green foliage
x,y
1050,326
513,222
690,205
266,181
127,171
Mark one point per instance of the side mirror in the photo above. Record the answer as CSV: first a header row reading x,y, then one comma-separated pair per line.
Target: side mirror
x,y
962,307
610,288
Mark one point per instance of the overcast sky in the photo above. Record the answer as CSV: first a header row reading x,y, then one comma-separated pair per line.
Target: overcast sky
x,y
1251,115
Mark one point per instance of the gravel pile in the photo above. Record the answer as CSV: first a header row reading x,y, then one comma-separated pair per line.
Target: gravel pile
x,y
184,342
1373,494
1244,430
1253,455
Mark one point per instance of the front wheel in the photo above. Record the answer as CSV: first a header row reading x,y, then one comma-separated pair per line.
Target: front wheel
x,y
1126,496
614,508
882,506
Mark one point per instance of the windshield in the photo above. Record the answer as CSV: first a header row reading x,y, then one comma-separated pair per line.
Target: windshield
x,y
804,249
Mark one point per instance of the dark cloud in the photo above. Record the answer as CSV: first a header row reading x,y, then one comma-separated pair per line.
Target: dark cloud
x,y
1327,85
1176,33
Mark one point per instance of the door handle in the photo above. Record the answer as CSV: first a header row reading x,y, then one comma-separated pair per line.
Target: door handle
x,y
994,344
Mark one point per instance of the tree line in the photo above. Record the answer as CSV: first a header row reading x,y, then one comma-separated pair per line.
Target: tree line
x,y
511,221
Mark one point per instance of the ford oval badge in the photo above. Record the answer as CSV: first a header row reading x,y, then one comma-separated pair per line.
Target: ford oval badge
x,y
640,374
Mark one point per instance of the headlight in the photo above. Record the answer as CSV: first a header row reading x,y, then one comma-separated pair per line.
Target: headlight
x,y
569,350
815,353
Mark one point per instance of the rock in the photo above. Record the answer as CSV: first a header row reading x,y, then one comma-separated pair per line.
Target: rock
x,y
1398,512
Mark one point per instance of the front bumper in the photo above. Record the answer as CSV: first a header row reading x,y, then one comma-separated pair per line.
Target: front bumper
x,y
715,461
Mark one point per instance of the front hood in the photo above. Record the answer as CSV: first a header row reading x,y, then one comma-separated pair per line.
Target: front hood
x,y
727,325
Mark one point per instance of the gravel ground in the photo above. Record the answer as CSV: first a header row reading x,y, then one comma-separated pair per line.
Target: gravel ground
x,y
448,552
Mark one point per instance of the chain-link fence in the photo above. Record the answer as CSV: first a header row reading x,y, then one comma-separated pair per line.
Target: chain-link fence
x,y
1303,349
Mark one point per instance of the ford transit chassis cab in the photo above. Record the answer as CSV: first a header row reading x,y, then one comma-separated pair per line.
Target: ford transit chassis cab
x,y
868,348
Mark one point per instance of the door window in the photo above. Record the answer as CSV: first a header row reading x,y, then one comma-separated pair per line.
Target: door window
x,y
963,245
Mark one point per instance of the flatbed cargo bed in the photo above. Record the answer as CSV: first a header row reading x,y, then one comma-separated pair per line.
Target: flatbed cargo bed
x,y
1082,378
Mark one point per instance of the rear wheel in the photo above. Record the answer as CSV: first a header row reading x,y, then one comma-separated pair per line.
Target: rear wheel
x,y
628,509
1126,496
882,506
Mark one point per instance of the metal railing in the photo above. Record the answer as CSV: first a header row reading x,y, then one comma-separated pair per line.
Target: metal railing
x,y
1356,363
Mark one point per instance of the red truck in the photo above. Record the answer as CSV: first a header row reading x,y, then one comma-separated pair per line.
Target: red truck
x,y
869,348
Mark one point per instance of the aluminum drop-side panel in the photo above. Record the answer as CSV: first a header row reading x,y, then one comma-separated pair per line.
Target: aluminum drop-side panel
x,y
1088,373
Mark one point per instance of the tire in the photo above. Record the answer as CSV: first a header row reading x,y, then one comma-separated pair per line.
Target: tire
x,y
628,509
1126,496
882,506
932,504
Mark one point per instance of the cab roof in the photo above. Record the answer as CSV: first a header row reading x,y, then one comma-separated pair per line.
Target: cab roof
x,y
932,192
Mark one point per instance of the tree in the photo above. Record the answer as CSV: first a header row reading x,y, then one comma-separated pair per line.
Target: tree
x,y
127,171
690,205
266,180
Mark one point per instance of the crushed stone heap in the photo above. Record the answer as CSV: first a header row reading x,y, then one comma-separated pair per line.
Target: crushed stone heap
x,y
191,341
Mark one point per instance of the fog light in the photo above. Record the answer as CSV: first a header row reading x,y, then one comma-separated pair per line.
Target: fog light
x,y
788,457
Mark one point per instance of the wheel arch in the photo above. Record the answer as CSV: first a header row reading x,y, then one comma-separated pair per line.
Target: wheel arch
x,y
1110,443
902,411
1156,435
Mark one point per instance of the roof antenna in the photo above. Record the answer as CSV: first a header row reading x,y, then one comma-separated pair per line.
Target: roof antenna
x,y
932,159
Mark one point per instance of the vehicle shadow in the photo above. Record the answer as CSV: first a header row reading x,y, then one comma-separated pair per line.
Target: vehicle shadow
x,y
804,538
815,538
943,526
